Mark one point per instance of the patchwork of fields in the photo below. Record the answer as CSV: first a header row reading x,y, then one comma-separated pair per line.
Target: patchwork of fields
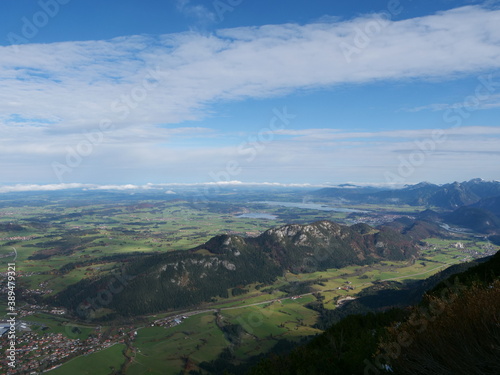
x,y
59,243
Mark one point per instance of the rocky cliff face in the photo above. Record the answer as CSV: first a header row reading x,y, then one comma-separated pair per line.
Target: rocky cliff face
x,y
324,244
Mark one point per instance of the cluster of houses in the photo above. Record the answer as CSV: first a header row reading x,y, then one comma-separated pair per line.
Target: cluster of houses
x,y
346,287
169,322
58,311
487,251
28,309
36,351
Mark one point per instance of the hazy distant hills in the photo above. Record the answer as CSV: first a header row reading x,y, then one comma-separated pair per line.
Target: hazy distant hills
x,y
448,196
186,278
475,203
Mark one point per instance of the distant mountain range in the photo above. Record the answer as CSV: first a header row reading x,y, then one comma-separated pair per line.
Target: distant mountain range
x,y
482,216
186,278
474,204
448,196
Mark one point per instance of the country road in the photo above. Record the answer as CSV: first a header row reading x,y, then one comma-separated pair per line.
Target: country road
x,y
196,312
188,313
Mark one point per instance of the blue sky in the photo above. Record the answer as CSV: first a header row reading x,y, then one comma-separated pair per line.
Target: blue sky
x,y
130,92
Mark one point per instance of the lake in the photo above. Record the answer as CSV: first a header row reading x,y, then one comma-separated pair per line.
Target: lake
x,y
311,206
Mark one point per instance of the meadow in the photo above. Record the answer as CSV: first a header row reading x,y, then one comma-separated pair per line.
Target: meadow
x,y
62,241
104,362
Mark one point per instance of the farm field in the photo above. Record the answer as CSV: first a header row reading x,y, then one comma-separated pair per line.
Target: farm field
x,y
57,243
54,233
285,317
104,362
163,351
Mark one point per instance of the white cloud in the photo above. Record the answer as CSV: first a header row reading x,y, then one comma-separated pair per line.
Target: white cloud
x,y
65,186
56,187
326,134
492,101
147,85
199,12
334,156
34,187
118,187
174,78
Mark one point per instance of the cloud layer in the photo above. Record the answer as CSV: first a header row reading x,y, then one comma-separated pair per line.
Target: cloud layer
x,y
173,78
147,88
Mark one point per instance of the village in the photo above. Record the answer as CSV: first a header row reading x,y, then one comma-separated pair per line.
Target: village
x,y
36,350
40,347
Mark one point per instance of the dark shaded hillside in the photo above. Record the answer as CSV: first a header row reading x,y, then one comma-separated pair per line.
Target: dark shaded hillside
x,y
168,281
495,239
462,337
342,349
454,330
477,219
186,278
490,204
416,229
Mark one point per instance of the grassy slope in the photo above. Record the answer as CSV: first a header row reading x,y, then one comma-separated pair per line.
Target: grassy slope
x,y
104,362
